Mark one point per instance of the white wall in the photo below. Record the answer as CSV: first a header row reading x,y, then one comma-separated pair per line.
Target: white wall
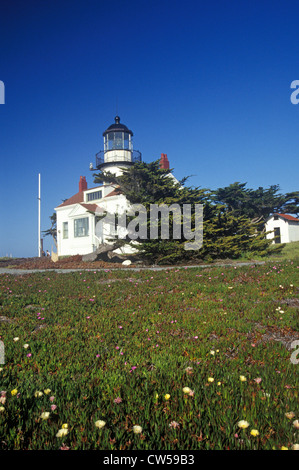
x,y
87,244
74,245
289,230
294,231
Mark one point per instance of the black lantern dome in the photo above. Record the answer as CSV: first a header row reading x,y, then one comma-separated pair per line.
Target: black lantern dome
x,y
117,127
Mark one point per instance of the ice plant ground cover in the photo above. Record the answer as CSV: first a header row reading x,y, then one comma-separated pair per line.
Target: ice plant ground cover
x,y
179,359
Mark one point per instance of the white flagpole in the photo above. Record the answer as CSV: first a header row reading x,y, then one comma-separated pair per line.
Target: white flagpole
x,y
39,233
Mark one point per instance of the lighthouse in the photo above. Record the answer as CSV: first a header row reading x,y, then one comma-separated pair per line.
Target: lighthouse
x,y
118,150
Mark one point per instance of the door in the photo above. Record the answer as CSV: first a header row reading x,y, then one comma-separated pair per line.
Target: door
x,y
277,238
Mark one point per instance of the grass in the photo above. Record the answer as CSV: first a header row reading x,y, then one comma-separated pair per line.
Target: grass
x,y
121,347
289,251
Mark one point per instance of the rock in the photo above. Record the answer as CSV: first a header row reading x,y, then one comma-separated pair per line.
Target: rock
x,y
90,256
127,262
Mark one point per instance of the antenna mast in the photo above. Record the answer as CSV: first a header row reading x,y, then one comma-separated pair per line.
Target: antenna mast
x,y
39,233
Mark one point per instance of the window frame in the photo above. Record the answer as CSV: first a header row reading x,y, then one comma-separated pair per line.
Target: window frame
x,y
83,230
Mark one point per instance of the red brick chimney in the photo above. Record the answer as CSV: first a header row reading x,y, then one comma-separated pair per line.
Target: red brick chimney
x,y
82,184
164,163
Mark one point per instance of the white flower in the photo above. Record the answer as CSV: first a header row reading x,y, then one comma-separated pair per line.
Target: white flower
x,y
38,394
16,338
296,424
186,390
45,415
2,409
295,447
62,432
243,424
26,346
100,423
243,378
137,429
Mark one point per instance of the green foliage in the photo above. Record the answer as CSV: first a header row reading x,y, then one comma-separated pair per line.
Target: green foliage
x,y
231,216
257,204
52,231
110,345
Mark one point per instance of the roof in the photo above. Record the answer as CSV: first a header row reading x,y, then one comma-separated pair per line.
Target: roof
x,y
117,126
287,217
90,207
77,198
115,192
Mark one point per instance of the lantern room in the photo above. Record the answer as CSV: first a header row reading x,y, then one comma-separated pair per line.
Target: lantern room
x,y
118,148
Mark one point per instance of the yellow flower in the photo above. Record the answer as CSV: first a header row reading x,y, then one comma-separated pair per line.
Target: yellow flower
x,y
254,432
218,383
65,426
243,424
2,409
211,379
243,378
167,396
62,432
14,392
284,448
290,415
100,424
38,394
186,390
47,391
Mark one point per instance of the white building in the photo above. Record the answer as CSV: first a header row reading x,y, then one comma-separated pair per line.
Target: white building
x,y
78,230
284,228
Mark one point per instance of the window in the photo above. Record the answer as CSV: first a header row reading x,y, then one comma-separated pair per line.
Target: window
x,y
65,230
276,217
93,196
81,227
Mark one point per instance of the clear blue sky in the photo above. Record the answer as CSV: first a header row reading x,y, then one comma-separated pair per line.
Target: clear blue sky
x,y
207,83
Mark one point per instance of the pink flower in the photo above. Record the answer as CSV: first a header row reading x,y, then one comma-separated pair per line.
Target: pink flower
x,y
174,424
118,400
52,399
64,447
29,355
53,407
258,380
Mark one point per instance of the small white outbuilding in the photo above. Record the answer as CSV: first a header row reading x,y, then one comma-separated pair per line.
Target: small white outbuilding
x,y
283,228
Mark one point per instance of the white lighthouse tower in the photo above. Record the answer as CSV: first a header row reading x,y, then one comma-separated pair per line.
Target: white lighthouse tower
x,y
118,150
